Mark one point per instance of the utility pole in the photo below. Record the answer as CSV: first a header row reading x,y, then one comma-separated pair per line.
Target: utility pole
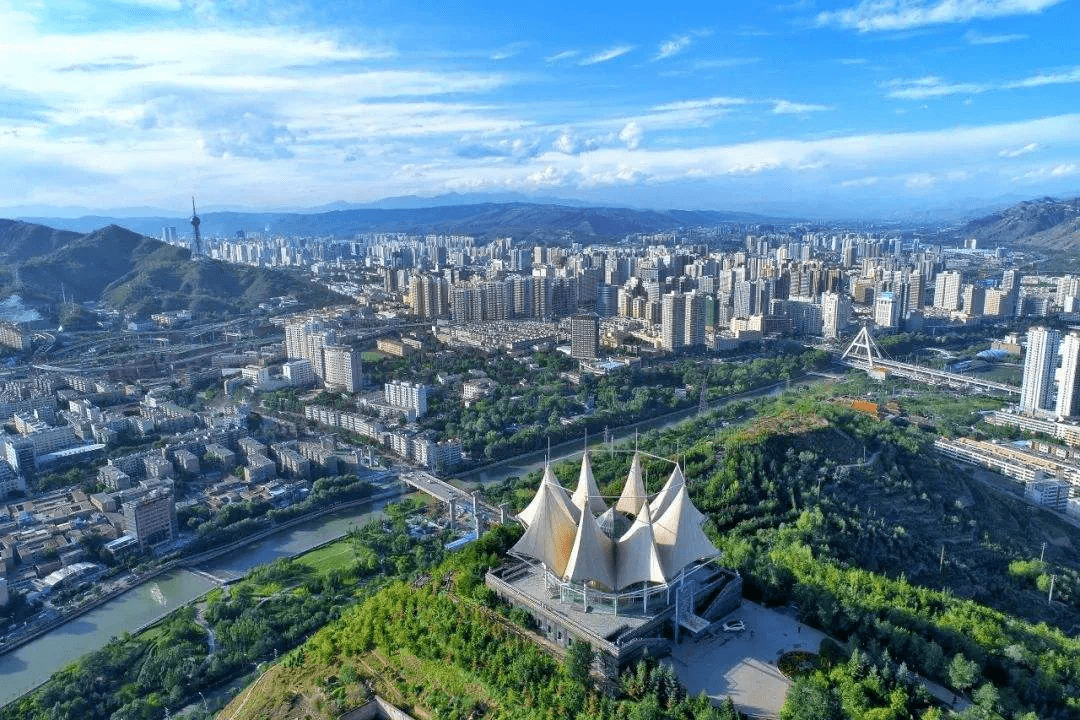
x,y
1050,597
1043,553
941,562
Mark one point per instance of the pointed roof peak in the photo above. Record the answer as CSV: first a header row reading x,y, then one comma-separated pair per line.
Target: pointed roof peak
x,y
587,494
667,493
549,480
593,555
633,495
549,537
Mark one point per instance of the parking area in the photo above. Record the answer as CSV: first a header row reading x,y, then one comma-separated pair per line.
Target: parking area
x,y
743,664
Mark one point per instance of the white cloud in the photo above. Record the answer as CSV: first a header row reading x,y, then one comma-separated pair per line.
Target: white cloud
x,y
549,176
674,46
920,181
889,15
606,55
631,135
860,182
173,5
713,102
1063,77
931,87
976,38
1049,172
566,144
1022,150
564,55
786,107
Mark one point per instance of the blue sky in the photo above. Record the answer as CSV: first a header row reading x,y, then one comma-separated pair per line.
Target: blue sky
x,y
851,108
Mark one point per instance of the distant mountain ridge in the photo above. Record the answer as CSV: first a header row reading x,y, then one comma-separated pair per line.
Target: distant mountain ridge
x,y
1047,223
138,274
521,219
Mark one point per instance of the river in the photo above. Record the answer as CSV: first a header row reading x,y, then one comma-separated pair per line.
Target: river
x,y
33,663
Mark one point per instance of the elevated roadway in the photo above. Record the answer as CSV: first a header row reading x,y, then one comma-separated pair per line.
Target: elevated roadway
x,y
864,354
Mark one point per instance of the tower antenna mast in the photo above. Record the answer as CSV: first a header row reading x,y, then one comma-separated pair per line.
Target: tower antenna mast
x,y
195,222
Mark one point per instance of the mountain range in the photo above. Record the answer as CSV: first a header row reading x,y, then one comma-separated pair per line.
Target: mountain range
x,y
522,220
1045,223
135,273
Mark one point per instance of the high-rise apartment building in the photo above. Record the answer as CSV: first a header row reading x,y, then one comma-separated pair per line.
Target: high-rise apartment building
x,y
916,292
344,371
974,298
745,298
584,336
887,310
429,296
835,314
947,291
1068,377
407,395
305,340
694,320
673,322
1040,357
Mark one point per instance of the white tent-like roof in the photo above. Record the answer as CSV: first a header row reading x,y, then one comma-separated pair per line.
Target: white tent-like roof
x,y
633,495
667,493
576,547
586,493
527,515
679,536
636,557
593,555
550,537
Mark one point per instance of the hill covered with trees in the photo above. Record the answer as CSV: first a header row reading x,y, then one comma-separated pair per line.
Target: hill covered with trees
x,y
138,274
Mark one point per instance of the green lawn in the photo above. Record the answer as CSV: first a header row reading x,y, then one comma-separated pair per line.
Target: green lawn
x,y
335,556
371,356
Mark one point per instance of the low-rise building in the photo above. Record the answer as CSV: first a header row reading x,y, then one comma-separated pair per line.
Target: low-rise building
x,y
222,454
291,462
477,388
1049,492
259,468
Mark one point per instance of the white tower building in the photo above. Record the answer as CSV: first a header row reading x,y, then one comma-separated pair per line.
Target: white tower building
x,y
1039,361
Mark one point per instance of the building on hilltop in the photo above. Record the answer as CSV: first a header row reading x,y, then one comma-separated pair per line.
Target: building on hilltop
x,y
624,578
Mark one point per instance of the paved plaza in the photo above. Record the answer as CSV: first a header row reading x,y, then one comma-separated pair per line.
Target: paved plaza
x,y
743,664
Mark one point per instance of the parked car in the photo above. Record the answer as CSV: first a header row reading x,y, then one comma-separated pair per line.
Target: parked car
x,y
733,626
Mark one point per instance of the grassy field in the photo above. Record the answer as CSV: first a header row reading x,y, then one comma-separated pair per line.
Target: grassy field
x,y
337,555
1012,374
371,356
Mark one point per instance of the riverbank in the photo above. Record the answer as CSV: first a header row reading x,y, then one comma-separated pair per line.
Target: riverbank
x,y
136,580
153,601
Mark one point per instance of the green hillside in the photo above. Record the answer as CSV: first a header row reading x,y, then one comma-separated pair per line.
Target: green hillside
x,y
137,274
20,241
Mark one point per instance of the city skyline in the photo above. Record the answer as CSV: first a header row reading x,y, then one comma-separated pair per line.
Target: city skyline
x,y
865,108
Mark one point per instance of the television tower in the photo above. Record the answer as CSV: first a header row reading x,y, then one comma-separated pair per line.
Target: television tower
x,y
195,222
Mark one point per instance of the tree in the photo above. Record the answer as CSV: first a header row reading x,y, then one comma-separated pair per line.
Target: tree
x,y
578,661
810,698
962,672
